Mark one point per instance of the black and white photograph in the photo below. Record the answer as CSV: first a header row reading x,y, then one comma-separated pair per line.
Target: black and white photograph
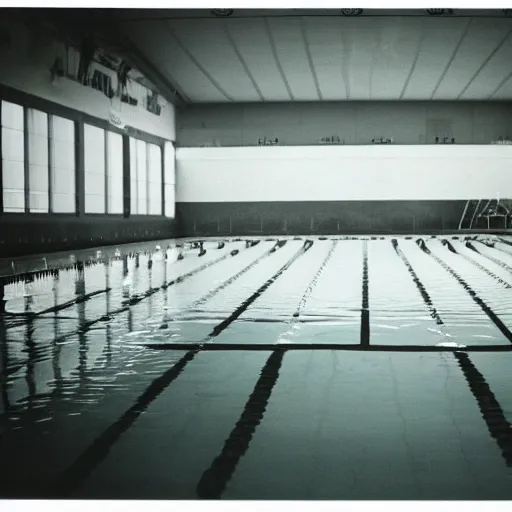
x,y
255,254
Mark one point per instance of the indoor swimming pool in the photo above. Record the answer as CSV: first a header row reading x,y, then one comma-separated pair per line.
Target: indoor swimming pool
x,y
261,368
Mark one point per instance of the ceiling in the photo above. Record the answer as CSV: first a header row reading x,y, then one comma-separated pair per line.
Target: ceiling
x,y
193,56
292,55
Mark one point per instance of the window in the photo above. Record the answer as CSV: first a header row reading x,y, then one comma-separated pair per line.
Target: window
x,y
13,157
37,133
103,162
62,165
145,178
138,177
95,171
114,172
154,154
169,179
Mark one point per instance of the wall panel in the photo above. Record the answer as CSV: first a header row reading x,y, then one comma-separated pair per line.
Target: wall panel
x,y
353,122
344,173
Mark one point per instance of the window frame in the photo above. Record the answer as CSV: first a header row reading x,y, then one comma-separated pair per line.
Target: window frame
x,y
29,101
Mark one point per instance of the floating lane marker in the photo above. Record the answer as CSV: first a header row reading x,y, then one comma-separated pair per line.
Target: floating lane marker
x,y
452,249
485,308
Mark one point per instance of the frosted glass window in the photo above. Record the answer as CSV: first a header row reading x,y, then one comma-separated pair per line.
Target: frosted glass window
x,y
133,176
138,177
142,178
169,179
115,172
37,123
62,170
154,179
13,157
94,166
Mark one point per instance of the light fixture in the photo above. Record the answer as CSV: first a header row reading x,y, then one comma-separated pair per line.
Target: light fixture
x,y
222,13
351,12
439,12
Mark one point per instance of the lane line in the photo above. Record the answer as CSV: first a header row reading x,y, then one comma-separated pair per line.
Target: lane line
x,y
365,312
238,311
31,315
314,281
502,264
485,308
421,288
239,274
266,347
491,410
214,480
134,300
85,464
490,273
96,453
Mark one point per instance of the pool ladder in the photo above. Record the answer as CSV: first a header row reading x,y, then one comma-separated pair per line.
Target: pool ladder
x,y
487,208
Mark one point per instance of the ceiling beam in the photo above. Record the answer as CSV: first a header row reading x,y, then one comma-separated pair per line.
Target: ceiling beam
x,y
196,63
415,62
276,58
452,58
485,62
345,62
243,63
310,59
501,84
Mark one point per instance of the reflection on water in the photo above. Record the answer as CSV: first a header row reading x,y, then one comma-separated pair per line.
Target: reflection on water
x,y
77,376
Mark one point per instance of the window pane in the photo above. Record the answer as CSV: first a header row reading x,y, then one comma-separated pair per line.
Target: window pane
x,y
38,160
94,165
154,179
62,158
133,177
115,172
13,157
170,165
142,178
170,179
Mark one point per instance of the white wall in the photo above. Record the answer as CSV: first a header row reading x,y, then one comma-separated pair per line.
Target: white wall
x,y
355,122
25,63
331,173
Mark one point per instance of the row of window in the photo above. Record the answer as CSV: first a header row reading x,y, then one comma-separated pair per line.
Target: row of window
x,y
50,149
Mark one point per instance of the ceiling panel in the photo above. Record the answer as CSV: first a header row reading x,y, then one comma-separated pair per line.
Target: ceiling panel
x,y
495,71
483,36
322,58
325,43
505,90
441,36
360,43
208,44
287,36
155,43
251,39
399,40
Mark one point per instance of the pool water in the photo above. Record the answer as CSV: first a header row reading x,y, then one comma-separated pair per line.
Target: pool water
x,y
292,368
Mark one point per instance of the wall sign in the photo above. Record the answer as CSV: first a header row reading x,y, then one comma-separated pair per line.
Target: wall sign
x,y
116,120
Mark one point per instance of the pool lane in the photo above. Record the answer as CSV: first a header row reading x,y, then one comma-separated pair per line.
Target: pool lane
x,y
371,426
464,321
398,312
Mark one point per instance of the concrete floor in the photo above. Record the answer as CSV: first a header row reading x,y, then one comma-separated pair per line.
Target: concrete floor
x,y
324,368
